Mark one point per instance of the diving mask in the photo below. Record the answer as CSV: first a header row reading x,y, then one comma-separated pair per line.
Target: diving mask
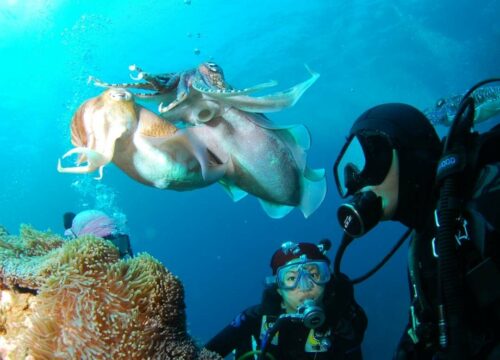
x,y
301,273
364,160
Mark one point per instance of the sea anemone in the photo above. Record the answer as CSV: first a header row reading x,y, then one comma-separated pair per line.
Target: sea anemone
x,y
83,302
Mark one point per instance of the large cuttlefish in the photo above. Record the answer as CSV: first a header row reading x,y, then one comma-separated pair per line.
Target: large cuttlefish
x,y
113,128
265,160
267,164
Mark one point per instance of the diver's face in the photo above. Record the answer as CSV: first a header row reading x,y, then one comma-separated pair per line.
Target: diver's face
x,y
388,190
292,299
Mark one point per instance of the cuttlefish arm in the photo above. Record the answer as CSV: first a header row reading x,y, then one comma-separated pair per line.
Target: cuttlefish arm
x,y
202,87
95,161
161,83
99,83
183,89
268,103
157,84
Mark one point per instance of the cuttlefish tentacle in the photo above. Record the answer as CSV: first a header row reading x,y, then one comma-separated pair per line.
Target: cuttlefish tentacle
x,y
269,103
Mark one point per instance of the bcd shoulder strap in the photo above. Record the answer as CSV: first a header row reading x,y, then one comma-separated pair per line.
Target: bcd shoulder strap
x,y
481,210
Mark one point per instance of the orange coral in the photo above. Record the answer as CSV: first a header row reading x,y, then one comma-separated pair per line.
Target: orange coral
x,y
92,305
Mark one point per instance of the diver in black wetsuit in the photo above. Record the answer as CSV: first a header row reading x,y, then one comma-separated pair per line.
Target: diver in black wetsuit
x,y
389,170
97,223
305,313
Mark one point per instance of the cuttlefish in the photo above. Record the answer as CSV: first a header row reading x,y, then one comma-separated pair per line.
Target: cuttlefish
x,y
266,163
169,90
113,128
486,100
266,160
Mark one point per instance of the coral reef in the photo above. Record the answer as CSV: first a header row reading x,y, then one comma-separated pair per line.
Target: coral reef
x,y
77,300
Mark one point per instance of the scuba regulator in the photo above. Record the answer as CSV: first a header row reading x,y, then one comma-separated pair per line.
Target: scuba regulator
x,y
309,314
360,214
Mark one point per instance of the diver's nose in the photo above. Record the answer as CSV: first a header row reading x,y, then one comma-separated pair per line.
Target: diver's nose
x,y
305,283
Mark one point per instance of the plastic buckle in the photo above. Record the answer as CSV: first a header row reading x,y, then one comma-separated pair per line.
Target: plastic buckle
x,y
436,218
412,332
434,252
462,233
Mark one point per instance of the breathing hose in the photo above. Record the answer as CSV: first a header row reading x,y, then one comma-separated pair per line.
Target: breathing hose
x,y
346,240
252,353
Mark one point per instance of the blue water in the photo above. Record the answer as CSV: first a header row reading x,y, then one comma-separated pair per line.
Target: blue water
x,y
367,52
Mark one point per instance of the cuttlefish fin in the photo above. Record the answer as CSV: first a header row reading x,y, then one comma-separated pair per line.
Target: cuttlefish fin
x,y
313,190
234,192
269,103
313,194
298,132
94,159
487,110
297,137
298,140
275,211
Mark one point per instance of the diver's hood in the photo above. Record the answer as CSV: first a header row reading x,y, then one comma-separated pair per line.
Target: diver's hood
x,y
419,149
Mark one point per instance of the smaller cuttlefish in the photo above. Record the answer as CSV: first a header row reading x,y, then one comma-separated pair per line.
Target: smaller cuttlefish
x,y
487,105
113,128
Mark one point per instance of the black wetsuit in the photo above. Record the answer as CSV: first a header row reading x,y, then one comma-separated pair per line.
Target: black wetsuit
x,y
122,242
479,263
343,330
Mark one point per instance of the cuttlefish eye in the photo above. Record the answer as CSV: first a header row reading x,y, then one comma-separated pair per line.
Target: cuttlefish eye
x,y
120,95
213,67
440,102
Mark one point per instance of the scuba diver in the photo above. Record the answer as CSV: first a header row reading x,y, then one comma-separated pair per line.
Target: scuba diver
x,y
305,312
97,223
394,167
